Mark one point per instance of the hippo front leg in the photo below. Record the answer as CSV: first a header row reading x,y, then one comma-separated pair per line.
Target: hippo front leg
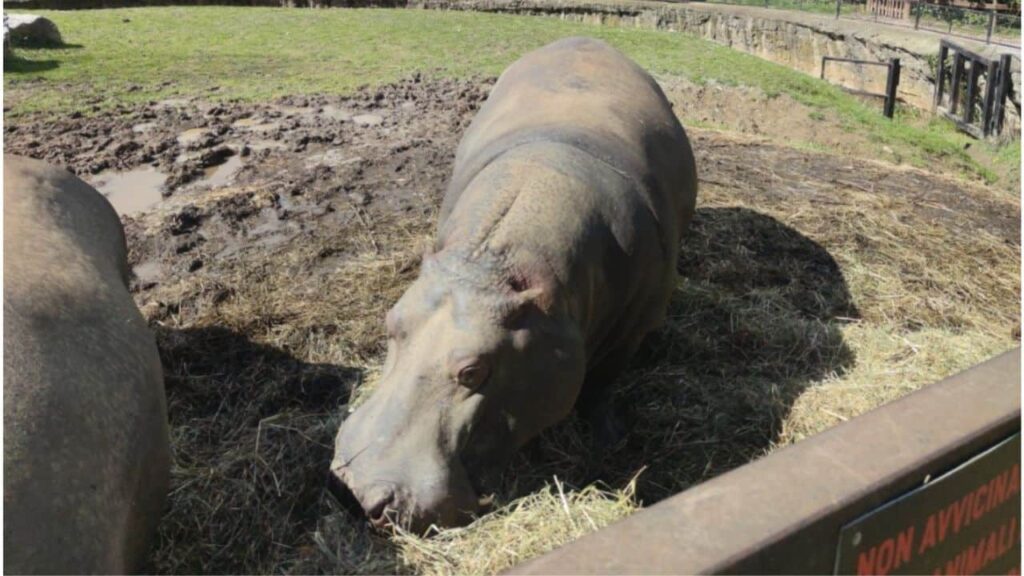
x,y
609,421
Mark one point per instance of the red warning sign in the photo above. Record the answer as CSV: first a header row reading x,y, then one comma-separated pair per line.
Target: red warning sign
x,y
965,522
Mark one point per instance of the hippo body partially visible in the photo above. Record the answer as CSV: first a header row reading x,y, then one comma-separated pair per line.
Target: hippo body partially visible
x,y
86,447
555,255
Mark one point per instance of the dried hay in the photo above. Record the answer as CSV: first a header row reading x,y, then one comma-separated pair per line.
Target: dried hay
x,y
803,302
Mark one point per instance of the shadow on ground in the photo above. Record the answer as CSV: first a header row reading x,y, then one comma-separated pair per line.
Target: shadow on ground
x,y
19,65
252,429
754,321
17,62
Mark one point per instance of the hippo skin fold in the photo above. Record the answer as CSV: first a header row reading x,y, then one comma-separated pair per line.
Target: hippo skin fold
x,y
555,255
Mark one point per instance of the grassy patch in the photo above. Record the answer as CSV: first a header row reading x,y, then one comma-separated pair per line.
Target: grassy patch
x,y
135,55
816,6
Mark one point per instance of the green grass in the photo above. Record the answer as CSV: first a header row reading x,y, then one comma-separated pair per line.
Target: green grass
x,y
817,6
133,55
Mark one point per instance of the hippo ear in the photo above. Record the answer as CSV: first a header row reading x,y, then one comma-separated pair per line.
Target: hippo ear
x,y
522,302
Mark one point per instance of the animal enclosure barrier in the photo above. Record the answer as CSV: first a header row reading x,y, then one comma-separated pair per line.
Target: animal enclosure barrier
x,y
892,81
991,23
868,496
899,9
998,25
975,95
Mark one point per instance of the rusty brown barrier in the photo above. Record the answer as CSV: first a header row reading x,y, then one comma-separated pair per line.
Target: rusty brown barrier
x,y
792,511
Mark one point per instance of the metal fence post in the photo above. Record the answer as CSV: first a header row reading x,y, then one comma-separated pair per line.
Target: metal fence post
x,y
991,25
990,94
1004,88
954,85
891,83
839,6
972,91
940,74
917,16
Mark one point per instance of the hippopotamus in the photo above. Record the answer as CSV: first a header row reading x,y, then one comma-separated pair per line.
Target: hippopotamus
x,y
555,254
86,443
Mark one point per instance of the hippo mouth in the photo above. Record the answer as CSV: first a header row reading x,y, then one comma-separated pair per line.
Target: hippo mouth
x,y
343,495
386,513
380,514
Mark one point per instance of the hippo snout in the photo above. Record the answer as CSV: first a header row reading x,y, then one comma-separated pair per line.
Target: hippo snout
x,y
412,504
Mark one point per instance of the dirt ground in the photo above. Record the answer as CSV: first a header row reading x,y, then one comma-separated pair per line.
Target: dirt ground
x,y
273,237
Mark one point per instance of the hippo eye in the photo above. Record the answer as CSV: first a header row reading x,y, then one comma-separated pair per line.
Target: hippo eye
x,y
473,375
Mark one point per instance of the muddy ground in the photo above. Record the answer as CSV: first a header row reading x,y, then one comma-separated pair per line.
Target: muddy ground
x,y
269,239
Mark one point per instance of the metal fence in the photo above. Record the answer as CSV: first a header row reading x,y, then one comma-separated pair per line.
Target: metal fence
x,y
987,26
990,26
971,89
891,84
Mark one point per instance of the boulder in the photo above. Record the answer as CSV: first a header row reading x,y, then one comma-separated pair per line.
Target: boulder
x,y
7,40
30,29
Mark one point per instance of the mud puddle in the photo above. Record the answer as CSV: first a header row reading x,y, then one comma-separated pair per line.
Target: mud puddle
x,y
222,174
133,191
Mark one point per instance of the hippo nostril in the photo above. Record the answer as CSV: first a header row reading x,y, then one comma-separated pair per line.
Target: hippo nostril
x,y
378,512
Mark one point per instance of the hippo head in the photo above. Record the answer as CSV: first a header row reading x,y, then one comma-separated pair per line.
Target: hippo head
x,y
478,363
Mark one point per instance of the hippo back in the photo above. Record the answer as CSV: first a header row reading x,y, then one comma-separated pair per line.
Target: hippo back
x,y
86,454
584,93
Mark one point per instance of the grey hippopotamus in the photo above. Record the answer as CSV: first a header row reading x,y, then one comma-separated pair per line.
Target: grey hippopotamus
x,y
555,255
86,449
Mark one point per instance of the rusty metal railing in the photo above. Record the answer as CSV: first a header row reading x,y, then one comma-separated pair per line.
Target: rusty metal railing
x,y
784,513
968,70
892,80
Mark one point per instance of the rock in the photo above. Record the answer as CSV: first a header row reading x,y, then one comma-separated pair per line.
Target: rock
x,y
30,29
368,120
